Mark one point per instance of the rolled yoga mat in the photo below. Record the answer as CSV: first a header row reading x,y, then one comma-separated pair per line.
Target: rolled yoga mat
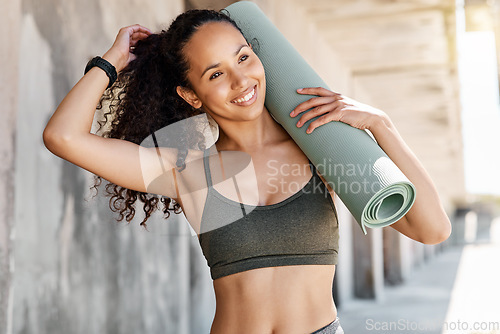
x,y
370,185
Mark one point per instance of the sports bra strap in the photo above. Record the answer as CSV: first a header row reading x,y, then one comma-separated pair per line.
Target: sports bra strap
x,y
207,168
313,168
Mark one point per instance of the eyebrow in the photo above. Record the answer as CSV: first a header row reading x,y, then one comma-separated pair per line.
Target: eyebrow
x,y
218,64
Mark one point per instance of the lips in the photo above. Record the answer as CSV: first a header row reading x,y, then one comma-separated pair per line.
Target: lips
x,y
247,97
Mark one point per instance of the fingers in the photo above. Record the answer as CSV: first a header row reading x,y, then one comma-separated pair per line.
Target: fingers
x,y
120,52
136,37
136,28
139,35
320,91
314,102
133,33
325,108
327,102
320,121
130,35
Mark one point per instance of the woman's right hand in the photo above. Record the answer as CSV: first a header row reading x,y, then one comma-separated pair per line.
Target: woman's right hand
x,y
120,52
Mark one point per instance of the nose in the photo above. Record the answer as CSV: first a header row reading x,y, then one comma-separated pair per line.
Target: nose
x,y
239,80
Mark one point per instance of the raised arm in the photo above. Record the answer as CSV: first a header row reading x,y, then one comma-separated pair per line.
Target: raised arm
x,y
68,132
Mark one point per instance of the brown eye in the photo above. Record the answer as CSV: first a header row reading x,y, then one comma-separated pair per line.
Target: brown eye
x,y
243,58
215,75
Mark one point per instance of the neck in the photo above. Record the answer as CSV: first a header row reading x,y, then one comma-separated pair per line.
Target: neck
x,y
250,136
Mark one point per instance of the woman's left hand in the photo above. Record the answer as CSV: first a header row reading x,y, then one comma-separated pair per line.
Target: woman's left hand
x,y
335,107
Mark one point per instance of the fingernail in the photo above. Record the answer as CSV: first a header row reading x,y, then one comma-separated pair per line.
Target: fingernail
x,y
299,90
309,131
292,114
299,124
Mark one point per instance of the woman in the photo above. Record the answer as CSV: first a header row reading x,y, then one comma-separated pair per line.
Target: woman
x,y
203,64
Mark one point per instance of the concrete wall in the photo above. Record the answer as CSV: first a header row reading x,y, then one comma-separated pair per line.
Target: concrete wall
x,y
76,269
9,87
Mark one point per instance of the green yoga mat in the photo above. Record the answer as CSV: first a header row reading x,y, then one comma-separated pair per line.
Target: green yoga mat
x,y
370,185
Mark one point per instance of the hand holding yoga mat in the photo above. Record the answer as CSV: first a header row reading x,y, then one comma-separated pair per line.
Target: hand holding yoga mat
x,y
370,185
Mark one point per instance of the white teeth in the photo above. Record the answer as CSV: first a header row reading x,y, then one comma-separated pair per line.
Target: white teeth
x,y
246,97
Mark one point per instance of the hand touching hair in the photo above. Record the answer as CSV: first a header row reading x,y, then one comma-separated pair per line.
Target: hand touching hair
x,y
144,98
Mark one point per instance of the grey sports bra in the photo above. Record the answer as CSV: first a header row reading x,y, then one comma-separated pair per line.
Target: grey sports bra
x,y
300,230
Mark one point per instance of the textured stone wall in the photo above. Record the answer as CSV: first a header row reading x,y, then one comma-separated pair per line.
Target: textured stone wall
x,y
76,269
9,87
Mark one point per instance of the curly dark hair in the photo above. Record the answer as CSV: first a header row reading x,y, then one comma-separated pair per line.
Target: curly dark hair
x,y
144,100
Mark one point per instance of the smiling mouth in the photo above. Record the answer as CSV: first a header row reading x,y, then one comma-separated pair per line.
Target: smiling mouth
x,y
247,97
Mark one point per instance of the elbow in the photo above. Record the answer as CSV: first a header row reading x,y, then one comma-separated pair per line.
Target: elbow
x,y
52,141
49,140
440,234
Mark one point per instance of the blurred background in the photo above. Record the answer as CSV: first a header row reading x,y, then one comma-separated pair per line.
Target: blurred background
x,y
66,266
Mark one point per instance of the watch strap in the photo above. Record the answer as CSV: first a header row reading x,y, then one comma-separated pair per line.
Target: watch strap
x,y
106,66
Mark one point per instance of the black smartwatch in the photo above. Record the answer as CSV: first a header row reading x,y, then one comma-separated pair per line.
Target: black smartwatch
x,y
105,66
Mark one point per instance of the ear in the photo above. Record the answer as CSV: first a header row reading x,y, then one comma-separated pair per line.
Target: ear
x,y
189,96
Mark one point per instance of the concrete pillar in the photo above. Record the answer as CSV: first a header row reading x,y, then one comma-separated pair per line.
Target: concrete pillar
x,y
406,256
368,263
9,90
344,276
458,228
392,256
485,218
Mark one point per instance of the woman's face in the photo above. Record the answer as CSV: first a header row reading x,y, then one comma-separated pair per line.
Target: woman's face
x,y
227,77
